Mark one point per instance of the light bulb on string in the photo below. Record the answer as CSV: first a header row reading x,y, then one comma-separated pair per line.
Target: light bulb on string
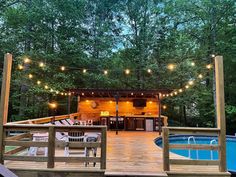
x,y
105,72
186,86
69,94
164,106
209,66
38,82
127,71
30,76
180,90
27,60
20,67
41,64
176,93
84,70
51,90
192,63
149,71
62,93
63,68
190,82
171,67
57,92
200,76
46,87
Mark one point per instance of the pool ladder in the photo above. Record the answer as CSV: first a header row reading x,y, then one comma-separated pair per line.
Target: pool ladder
x,y
194,142
211,143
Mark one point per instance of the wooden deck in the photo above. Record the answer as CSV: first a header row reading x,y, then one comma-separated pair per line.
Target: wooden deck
x,y
127,153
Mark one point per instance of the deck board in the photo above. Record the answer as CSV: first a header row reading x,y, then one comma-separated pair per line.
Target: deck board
x,y
127,152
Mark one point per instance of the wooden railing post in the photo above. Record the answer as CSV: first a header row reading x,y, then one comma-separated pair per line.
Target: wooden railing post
x,y
165,147
51,147
103,147
220,111
6,78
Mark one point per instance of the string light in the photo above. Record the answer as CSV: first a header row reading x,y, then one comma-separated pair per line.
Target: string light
x,y
41,64
190,82
62,93
51,90
57,92
149,71
171,94
213,55
200,76
30,76
83,94
142,94
186,86
192,64
63,68
180,90
105,72
46,87
176,93
69,94
163,95
132,93
20,67
38,82
209,66
127,71
164,106
171,67
84,70
26,60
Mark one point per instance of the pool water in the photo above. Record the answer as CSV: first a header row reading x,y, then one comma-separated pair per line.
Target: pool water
x,y
204,154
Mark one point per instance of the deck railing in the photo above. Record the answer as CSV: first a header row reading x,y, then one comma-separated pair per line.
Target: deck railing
x,y
24,140
220,147
46,119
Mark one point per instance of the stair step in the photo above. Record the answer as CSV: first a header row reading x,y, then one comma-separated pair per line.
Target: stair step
x,y
198,174
134,174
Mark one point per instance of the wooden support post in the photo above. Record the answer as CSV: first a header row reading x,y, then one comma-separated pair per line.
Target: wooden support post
x,y
103,148
6,78
159,113
165,148
51,147
220,111
117,112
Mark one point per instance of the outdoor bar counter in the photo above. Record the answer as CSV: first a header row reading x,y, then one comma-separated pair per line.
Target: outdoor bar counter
x,y
134,122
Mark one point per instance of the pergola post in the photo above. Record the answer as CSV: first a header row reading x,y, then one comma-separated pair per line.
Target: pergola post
x,y
159,112
6,79
117,111
220,111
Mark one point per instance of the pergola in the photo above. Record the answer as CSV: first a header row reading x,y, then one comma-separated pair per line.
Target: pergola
x,y
118,94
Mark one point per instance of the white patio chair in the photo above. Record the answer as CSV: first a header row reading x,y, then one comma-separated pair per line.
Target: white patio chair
x,y
65,122
76,136
70,121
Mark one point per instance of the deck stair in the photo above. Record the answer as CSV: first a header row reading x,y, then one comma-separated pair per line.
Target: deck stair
x,y
134,174
198,174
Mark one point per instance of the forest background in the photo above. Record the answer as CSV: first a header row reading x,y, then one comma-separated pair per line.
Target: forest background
x,y
114,35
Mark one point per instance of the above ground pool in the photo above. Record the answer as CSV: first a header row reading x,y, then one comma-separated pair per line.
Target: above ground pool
x,y
203,154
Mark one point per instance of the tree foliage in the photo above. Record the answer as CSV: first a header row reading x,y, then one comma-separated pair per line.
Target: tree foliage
x,y
116,35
